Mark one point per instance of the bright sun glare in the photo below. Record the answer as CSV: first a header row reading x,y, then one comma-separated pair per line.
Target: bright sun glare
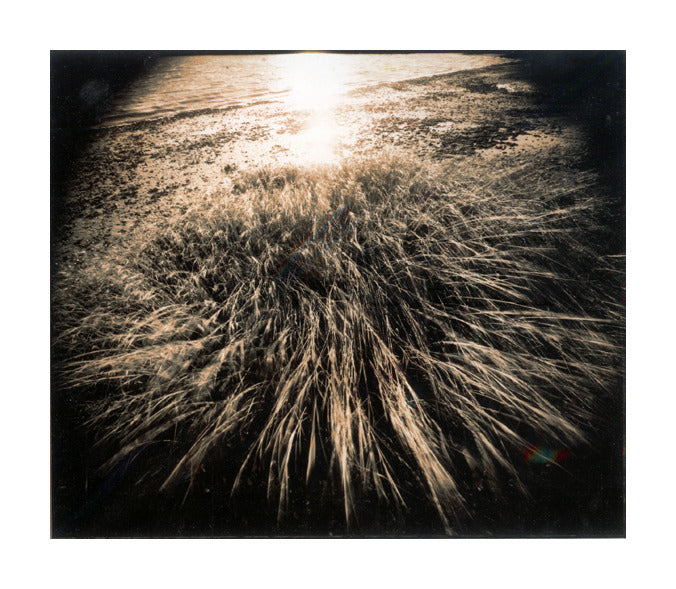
x,y
315,80
315,83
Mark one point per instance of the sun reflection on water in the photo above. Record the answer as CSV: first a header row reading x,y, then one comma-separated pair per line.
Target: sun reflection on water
x,y
315,81
315,84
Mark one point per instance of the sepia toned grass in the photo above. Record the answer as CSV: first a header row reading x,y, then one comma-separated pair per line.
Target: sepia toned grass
x,y
381,332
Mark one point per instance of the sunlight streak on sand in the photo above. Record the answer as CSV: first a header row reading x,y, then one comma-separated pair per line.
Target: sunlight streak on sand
x,y
319,141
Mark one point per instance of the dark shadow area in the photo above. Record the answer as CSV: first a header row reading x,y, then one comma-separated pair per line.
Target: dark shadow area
x,y
589,89
83,86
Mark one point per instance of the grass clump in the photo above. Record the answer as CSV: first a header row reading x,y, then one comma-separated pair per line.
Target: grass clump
x,y
354,339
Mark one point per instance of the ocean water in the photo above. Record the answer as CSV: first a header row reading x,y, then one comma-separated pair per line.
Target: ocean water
x,y
304,81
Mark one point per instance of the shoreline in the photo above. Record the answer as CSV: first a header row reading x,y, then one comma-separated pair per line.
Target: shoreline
x,y
127,173
261,95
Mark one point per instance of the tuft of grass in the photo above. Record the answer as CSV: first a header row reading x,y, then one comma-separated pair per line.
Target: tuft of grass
x,y
377,333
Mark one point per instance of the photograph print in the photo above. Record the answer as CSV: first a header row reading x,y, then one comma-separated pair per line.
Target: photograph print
x,y
337,294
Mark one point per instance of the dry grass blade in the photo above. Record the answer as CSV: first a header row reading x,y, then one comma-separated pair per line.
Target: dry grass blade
x,y
354,335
